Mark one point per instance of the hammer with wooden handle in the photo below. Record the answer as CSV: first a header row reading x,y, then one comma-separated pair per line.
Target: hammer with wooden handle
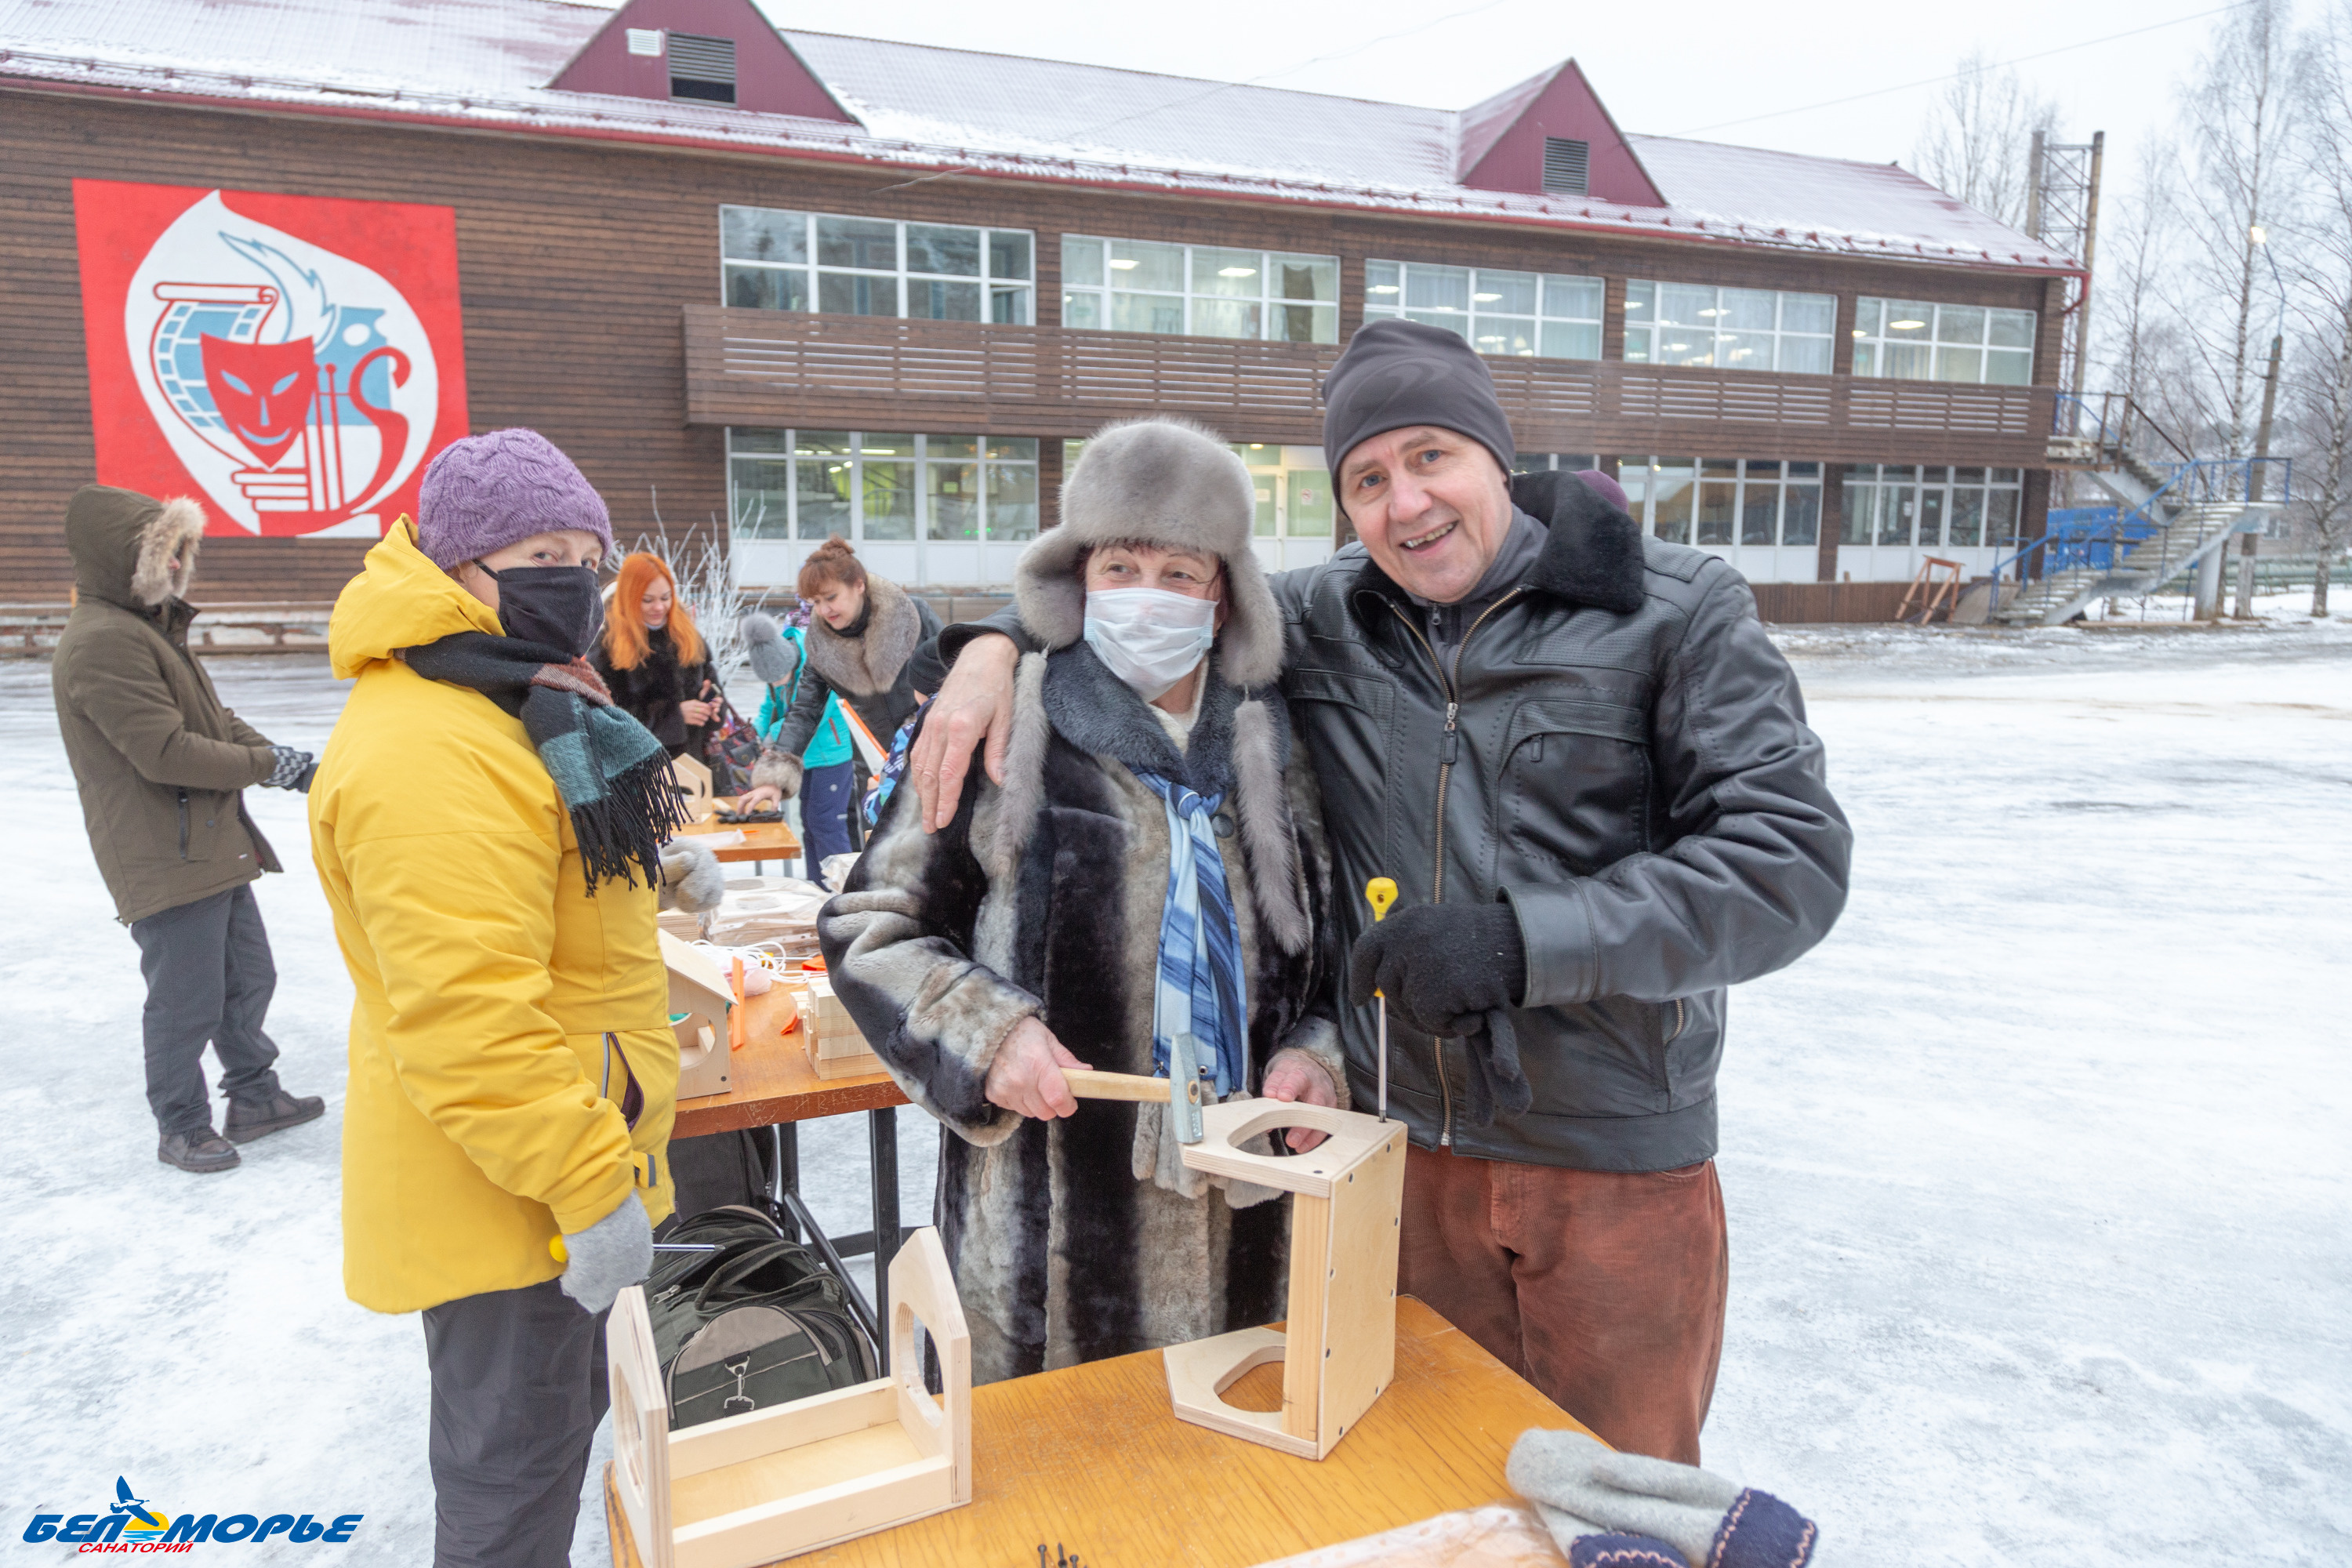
x,y
1181,1090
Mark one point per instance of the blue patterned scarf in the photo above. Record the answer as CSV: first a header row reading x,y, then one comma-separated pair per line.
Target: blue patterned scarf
x,y
1202,986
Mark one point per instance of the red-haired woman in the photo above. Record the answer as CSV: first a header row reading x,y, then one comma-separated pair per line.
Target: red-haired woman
x,y
655,663
870,643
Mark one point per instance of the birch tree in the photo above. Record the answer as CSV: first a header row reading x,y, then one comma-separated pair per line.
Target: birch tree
x,y
1977,143
2319,257
2237,116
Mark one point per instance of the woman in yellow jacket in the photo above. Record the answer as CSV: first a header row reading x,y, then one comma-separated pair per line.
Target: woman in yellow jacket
x,y
487,826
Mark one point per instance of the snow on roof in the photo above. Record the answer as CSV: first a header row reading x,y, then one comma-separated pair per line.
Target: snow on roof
x,y
487,61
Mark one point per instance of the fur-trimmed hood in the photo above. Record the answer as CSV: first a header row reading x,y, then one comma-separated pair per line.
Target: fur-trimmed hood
x,y
868,663
124,544
1155,481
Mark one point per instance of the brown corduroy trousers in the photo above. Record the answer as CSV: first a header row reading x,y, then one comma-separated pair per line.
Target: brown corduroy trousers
x,y
1605,1289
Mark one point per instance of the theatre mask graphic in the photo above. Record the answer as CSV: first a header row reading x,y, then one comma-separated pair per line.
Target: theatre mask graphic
x,y
294,361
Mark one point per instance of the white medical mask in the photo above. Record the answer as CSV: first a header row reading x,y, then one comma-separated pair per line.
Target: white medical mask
x,y
1149,637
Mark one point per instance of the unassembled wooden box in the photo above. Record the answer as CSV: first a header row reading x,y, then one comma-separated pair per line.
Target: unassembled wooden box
x,y
835,1049
1338,1349
774,1483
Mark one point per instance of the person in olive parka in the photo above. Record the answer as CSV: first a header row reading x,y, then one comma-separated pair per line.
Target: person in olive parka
x,y
162,765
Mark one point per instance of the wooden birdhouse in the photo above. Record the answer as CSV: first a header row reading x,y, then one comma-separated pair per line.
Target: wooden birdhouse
x,y
691,778
1338,1348
773,1483
699,998
835,1048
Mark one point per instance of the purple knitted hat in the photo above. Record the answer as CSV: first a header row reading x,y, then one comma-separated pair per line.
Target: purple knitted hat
x,y
1604,487
484,492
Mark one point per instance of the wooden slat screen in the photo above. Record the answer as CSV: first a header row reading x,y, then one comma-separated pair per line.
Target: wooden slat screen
x,y
776,368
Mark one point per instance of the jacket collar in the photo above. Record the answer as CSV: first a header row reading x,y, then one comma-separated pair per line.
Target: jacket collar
x,y
1100,714
1592,556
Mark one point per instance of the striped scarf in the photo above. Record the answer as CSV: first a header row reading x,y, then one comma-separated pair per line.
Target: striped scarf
x,y
1201,988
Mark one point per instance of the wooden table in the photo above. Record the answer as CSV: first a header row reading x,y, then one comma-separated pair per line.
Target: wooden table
x,y
761,840
773,1084
1091,1457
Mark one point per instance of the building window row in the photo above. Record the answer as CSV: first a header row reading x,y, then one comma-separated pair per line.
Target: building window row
x,y
869,486
783,261
779,260
1547,315
1912,340
1930,507
1198,290
1731,329
1722,502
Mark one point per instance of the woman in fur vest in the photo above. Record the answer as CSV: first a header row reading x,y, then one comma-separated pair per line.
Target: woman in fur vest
x,y
1153,863
870,643
654,660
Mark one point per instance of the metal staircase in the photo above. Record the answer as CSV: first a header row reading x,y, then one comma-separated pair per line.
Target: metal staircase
x,y
2173,511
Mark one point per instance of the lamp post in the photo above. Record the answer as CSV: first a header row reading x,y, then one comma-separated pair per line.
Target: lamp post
x,y
2259,471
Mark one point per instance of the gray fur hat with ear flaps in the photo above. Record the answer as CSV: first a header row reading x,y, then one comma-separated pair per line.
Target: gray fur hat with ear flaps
x,y
1155,481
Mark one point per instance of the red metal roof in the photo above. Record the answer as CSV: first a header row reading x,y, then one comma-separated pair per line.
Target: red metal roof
x,y
487,63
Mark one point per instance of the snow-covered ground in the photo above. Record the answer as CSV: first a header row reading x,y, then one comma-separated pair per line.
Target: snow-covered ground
x,y
2040,1169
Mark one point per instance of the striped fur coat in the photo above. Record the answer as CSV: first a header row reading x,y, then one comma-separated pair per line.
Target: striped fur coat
x,y
1085,1236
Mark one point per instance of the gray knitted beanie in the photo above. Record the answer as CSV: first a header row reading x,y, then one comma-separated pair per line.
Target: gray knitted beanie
x,y
486,492
1395,375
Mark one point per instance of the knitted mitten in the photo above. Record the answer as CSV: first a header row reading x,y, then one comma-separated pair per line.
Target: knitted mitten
x,y
1583,1488
1618,1550
290,769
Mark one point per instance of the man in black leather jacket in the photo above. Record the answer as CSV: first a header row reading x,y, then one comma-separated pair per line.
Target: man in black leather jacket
x,y
1588,770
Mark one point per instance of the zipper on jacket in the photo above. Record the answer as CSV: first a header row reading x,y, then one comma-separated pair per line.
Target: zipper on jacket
x,y
184,824
1682,1017
1448,752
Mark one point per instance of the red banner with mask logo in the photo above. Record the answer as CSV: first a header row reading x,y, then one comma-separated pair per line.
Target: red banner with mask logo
x,y
293,362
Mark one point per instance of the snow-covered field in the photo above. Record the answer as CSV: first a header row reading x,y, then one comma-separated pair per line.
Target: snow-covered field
x,y
2040,1169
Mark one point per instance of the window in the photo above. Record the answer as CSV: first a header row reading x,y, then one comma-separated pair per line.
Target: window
x,y
1717,502
1734,329
777,260
1910,507
1912,340
1548,314
1566,165
702,68
868,485
1542,462
1140,286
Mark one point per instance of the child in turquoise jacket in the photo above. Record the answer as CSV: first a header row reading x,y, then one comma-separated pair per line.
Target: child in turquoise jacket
x,y
828,778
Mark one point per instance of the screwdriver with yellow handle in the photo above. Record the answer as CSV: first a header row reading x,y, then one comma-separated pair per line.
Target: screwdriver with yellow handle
x,y
1380,893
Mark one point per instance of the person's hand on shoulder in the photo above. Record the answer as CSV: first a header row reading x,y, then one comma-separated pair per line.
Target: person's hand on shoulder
x,y
974,706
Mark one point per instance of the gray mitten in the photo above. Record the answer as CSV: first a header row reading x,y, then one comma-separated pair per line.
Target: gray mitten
x,y
1581,1487
609,1257
1159,1159
692,878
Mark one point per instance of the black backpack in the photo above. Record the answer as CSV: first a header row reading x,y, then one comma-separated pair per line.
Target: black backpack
x,y
755,1323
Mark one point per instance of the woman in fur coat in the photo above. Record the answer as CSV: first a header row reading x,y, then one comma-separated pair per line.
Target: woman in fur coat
x,y
1153,863
655,662
870,643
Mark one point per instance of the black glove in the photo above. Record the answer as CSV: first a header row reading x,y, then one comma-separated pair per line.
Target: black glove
x,y
292,770
1454,970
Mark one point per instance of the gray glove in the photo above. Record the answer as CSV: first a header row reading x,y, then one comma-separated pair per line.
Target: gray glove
x,y
610,1255
1583,1488
692,879
292,770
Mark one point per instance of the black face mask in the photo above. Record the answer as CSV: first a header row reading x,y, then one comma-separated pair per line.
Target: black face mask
x,y
556,606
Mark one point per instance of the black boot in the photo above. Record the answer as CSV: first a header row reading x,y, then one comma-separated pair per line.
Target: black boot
x,y
202,1151
249,1119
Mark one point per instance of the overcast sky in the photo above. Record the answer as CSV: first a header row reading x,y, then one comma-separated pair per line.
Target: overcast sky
x,y
1671,69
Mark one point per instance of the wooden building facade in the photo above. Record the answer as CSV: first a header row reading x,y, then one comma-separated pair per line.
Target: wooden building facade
x,y
592,281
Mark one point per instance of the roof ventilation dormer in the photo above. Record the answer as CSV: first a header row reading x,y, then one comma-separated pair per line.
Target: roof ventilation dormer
x,y
1551,136
700,51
